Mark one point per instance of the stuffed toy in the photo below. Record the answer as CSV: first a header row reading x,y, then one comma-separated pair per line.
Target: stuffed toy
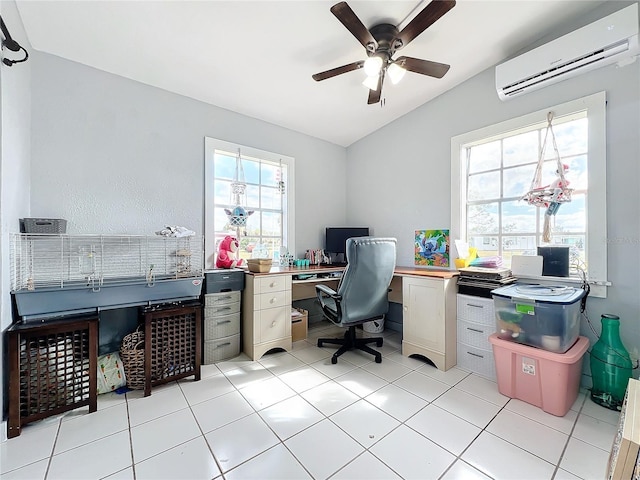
x,y
509,328
227,253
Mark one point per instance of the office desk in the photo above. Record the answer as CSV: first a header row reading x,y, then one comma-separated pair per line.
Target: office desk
x,y
428,300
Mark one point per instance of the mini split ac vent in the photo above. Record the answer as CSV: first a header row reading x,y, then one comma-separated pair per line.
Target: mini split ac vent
x,y
608,40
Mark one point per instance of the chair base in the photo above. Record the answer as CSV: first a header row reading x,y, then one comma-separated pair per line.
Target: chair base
x,y
350,342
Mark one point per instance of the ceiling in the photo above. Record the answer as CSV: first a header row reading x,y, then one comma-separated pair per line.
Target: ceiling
x,y
257,57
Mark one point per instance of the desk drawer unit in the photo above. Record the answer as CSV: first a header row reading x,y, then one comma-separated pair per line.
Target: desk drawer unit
x,y
476,321
274,299
272,323
266,316
272,283
221,326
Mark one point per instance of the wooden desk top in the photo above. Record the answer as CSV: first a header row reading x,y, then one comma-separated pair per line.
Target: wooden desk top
x,y
313,269
400,271
425,272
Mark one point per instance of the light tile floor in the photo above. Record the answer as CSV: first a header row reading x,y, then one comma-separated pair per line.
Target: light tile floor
x,y
296,416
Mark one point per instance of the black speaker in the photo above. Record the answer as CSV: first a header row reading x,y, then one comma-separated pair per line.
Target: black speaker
x,y
555,261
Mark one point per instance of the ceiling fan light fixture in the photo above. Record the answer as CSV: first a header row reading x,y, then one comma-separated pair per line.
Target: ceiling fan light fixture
x,y
372,66
396,72
371,82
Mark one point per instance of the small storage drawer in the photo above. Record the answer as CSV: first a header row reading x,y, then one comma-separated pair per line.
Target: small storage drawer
x,y
476,360
223,281
475,334
221,326
221,348
218,310
476,310
213,299
273,283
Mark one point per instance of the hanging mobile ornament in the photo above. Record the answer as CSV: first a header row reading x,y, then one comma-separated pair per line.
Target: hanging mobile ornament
x,y
281,187
238,216
550,196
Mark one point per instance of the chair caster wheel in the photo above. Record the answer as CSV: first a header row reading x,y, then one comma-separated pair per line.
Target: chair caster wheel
x,y
379,359
334,360
379,343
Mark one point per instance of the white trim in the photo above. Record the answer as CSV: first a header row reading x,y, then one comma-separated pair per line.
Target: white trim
x,y
213,144
597,166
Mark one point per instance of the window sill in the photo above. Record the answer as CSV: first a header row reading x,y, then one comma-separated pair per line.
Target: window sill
x,y
598,287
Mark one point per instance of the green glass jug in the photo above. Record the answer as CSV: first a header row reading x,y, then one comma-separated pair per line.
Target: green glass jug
x,y
611,365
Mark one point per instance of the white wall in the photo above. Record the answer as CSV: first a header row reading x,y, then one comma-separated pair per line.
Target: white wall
x,y
15,130
418,185
112,155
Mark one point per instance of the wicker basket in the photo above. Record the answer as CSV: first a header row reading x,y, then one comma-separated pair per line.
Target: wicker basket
x,y
132,356
259,265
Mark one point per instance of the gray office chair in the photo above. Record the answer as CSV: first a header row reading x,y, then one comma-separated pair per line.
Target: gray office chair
x,y
362,293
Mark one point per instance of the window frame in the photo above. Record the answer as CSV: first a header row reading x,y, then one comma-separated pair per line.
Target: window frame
x,y
596,205
210,147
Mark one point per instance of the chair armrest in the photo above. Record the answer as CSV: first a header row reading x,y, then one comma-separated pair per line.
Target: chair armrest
x,y
326,290
331,309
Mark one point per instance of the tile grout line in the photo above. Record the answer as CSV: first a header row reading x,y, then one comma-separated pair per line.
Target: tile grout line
x,y
133,463
564,449
53,449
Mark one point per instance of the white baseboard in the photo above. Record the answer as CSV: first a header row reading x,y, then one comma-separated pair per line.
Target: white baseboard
x,y
3,431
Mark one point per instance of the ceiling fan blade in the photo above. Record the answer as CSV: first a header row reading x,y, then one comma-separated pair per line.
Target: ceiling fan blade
x,y
374,95
338,71
426,18
348,18
425,67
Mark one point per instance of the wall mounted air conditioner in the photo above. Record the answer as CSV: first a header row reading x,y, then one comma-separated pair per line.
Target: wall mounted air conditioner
x,y
605,41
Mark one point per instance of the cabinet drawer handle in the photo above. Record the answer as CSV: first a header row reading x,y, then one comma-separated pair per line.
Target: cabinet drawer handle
x,y
273,300
474,305
475,355
223,321
220,309
273,324
272,284
475,330
226,297
223,344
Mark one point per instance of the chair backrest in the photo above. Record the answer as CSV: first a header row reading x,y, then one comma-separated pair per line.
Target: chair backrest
x,y
365,282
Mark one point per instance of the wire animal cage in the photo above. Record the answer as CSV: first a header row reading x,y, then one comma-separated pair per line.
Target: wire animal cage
x,y
55,273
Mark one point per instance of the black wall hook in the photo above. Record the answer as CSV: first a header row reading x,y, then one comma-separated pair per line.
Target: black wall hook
x,y
12,45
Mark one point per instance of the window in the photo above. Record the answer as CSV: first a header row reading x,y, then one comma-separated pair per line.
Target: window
x,y
270,222
492,168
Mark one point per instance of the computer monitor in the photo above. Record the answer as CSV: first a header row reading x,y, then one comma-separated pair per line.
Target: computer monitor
x,y
336,238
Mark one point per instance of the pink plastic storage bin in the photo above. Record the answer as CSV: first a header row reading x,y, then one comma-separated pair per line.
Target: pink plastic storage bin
x,y
545,379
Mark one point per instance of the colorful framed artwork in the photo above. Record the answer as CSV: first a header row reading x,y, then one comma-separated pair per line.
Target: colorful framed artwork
x,y
432,248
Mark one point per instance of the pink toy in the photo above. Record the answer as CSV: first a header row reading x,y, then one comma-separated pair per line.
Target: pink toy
x,y
227,253
559,184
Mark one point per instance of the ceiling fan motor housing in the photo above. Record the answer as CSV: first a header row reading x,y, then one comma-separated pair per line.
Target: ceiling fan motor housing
x,y
386,35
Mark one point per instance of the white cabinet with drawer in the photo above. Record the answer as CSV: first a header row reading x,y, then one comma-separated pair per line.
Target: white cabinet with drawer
x,y
476,321
221,326
266,321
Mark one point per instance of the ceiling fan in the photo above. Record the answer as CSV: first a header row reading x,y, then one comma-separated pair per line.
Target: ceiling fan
x,y
381,43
